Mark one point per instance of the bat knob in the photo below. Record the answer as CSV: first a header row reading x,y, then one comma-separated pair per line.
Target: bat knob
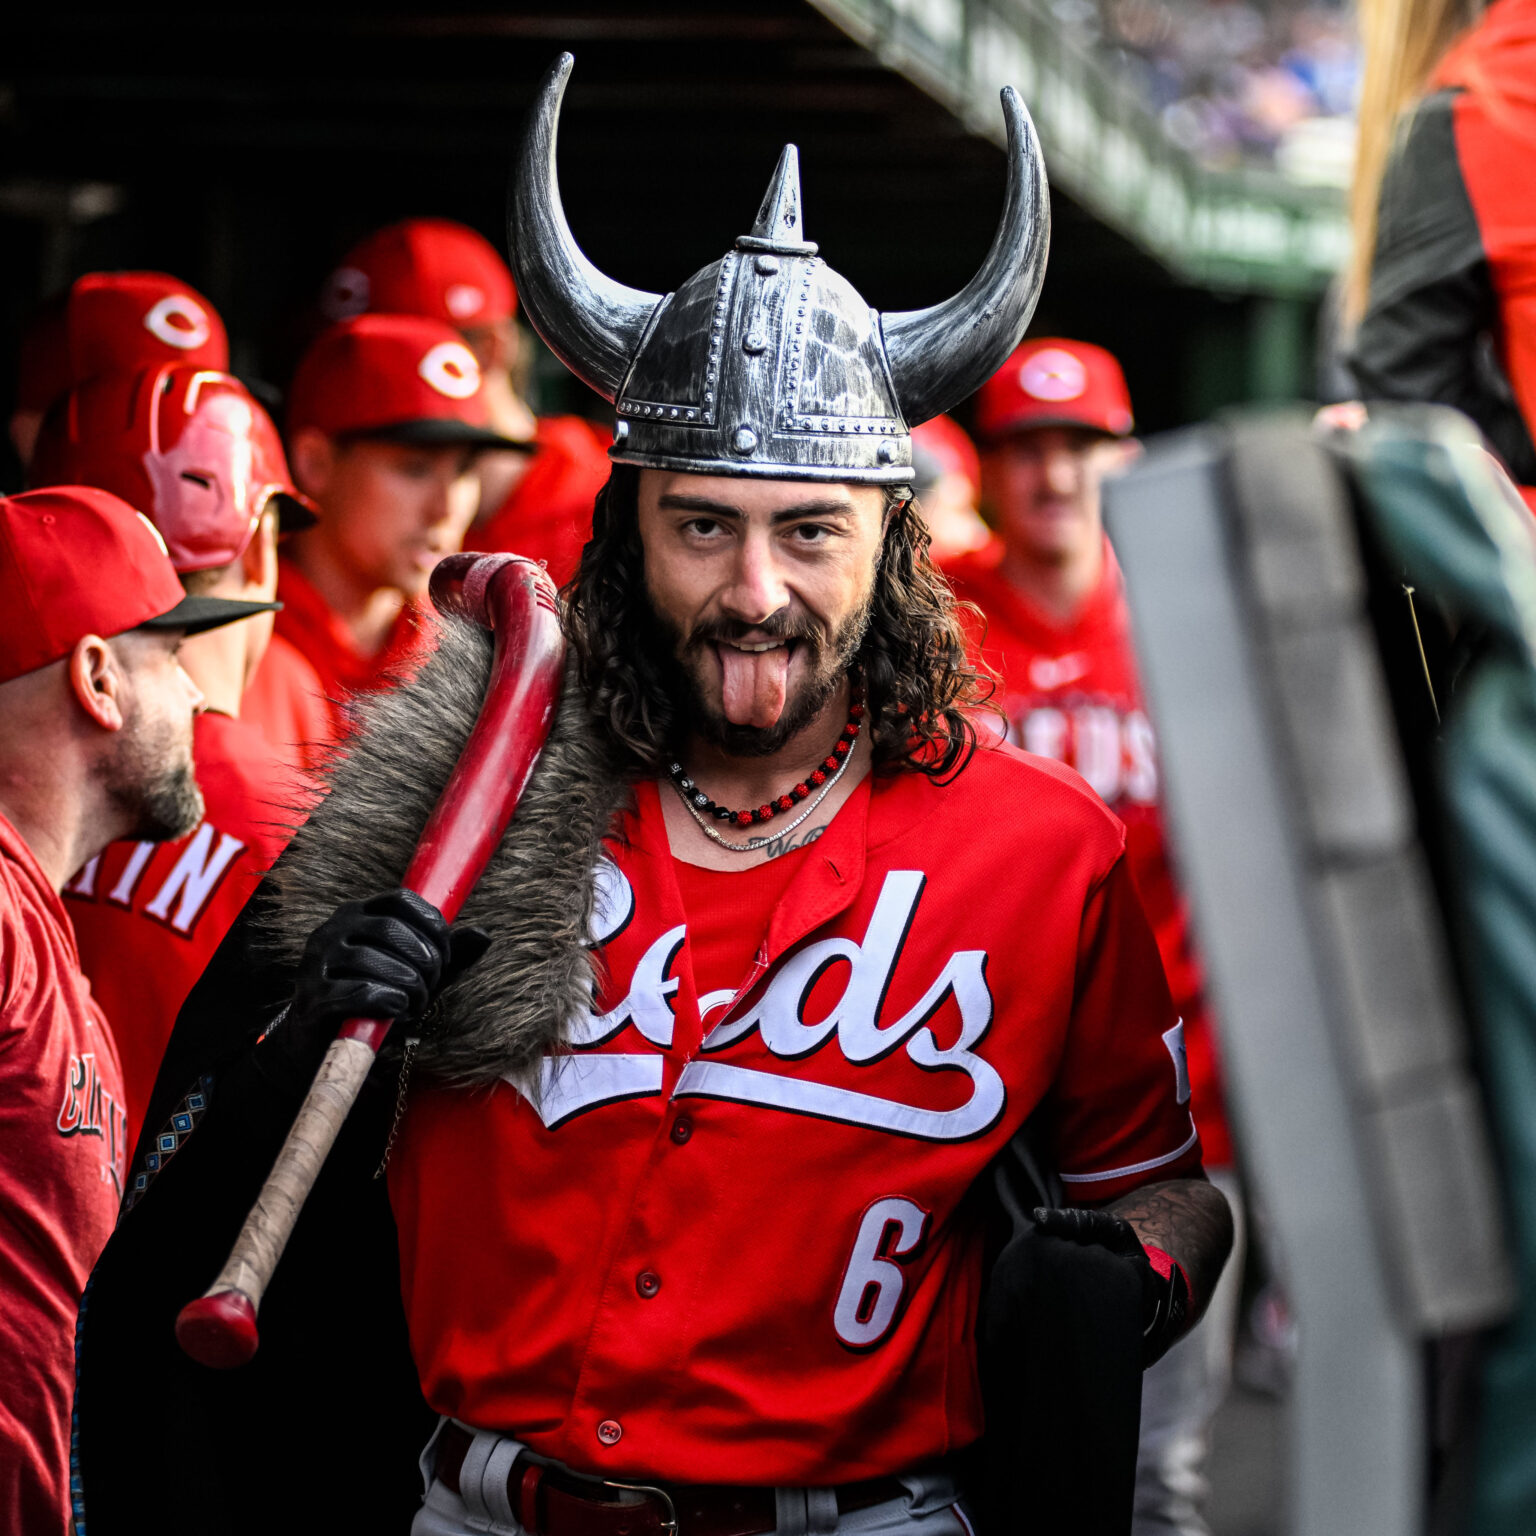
x,y
219,1330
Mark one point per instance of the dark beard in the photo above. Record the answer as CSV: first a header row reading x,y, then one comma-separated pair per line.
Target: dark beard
x,y
829,659
161,802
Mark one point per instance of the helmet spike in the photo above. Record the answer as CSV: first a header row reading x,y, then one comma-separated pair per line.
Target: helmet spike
x,y
939,356
591,323
778,220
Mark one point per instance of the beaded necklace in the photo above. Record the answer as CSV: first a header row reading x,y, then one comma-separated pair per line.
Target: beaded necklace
x,y
822,778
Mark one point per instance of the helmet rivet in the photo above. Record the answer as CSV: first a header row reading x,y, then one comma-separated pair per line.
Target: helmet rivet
x,y
754,342
621,432
767,265
886,453
744,440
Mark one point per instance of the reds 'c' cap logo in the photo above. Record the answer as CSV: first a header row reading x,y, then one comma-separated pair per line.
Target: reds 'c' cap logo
x,y
1053,375
464,300
450,368
179,321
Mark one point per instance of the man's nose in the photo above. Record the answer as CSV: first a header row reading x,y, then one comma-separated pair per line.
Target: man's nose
x,y
757,589
1063,472
194,693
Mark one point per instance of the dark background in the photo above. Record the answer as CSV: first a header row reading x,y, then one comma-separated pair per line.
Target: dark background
x,y
244,151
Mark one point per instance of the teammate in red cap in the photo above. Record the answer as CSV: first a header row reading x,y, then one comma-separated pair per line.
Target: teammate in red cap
x,y
95,744
1053,422
110,322
202,459
948,485
387,419
537,502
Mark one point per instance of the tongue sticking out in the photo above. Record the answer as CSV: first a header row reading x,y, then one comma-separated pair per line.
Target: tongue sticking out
x,y
754,684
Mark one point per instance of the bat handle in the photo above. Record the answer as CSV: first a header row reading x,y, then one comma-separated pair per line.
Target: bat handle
x,y
219,1328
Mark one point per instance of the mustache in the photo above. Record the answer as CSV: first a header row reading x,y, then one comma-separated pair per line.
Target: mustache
x,y
783,625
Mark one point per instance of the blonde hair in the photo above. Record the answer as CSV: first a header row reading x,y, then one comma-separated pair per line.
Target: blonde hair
x,y
1403,41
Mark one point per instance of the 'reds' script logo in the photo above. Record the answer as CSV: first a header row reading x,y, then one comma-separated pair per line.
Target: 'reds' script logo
x,y
574,1083
90,1110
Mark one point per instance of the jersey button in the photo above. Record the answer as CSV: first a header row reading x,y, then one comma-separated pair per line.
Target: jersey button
x,y
647,1282
610,1431
682,1129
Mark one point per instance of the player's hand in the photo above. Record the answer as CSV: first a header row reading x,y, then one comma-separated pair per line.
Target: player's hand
x,y
383,958
1164,1286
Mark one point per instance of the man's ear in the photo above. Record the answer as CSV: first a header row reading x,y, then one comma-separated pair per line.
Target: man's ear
x,y
99,684
312,457
258,565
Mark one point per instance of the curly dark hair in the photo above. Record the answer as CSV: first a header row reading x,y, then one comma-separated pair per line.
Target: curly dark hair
x,y
920,681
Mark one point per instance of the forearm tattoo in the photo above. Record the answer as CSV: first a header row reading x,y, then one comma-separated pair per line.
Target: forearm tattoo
x,y
1189,1220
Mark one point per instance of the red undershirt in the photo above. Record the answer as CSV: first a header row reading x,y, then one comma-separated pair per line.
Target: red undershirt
x,y
728,912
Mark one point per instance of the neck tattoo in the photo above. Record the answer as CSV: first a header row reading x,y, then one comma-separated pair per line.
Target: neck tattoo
x,y
784,843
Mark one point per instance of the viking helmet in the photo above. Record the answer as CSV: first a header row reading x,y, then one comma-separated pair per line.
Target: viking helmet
x,y
768,362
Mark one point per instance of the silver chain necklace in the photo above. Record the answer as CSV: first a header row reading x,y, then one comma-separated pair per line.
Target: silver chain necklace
x,y
754,845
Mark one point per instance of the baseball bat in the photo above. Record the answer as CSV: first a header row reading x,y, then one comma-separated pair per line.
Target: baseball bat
x,y
515,599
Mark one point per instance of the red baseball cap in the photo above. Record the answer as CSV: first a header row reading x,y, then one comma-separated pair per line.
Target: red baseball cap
x,y
77,561
111,322
430,267
1052,382
402,378
940,446
190,448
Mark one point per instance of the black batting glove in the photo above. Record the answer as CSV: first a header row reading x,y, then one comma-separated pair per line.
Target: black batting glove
x,y
1164,1286
384,958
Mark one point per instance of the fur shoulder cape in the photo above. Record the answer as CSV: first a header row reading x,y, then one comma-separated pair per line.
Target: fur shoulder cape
x,y
536,895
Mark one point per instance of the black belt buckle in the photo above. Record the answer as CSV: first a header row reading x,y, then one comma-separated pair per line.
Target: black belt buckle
x,y
669,1509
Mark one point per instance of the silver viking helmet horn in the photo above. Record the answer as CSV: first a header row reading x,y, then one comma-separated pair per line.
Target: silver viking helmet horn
x,y
768,362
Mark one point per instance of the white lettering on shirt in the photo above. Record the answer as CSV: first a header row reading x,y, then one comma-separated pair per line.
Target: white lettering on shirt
x,y
89,1109
778,1016
133,872
195,877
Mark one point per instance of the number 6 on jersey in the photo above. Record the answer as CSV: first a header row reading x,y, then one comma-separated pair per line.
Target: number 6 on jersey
x,y
870,1296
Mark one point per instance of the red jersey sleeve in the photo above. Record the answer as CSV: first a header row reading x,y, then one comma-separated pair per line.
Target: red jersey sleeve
x,y
1120,1103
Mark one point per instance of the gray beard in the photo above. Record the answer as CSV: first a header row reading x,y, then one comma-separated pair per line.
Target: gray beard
x,y
160,803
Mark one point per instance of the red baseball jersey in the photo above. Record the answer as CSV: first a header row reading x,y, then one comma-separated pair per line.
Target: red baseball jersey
x,y
308,624
149,916
548,515
722,1238
1071,691
286,701
63,1147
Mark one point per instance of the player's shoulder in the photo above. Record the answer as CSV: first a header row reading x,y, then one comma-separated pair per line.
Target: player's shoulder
x,y
973,571
1010,799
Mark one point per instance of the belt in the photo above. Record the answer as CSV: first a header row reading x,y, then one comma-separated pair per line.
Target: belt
x,y
549,1501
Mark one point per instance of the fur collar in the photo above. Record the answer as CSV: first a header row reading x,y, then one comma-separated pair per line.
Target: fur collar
x,y
536,896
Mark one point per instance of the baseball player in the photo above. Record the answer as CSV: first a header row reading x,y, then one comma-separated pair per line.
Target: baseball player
x,y
201,458
947,479
387,419
1053,422
537,500
109,322
95,744
682,1231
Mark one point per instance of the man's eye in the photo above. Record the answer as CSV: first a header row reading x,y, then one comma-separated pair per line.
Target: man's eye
x,y
810,533
704,527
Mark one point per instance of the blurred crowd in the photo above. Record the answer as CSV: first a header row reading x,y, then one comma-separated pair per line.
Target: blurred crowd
x,y
1238,84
